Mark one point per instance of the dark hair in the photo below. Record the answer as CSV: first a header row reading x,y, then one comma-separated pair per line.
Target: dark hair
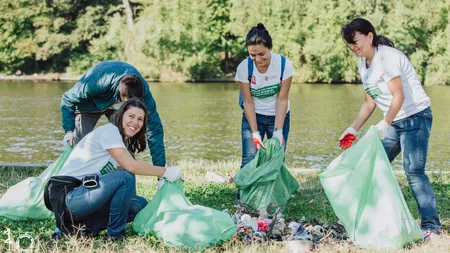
x,y
258,35
131,86
137,142
365,27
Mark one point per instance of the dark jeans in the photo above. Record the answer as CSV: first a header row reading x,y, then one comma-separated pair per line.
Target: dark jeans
x,y
266,125
410,136
110,205
85,123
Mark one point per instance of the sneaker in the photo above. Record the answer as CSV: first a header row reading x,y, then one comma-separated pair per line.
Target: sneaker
x,y
429,235
114,238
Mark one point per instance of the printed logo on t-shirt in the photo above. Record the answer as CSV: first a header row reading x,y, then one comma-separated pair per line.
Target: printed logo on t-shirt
x,y
253,80
373,91
267,91
109,167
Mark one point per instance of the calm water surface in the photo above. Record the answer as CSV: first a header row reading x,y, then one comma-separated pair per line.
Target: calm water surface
x,y
202,121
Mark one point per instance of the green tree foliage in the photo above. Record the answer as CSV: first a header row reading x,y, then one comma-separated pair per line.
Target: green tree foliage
x,y
204,39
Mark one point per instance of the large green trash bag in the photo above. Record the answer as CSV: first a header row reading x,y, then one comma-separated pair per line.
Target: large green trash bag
x,y
25,200
265,183
172,218
366,197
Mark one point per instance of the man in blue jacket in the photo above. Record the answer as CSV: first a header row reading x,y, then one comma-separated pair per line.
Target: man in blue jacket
x,y
99,92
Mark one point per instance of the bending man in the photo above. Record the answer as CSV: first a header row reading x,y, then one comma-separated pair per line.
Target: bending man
x,y
100,91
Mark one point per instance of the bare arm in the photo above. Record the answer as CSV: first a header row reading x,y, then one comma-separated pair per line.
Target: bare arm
x,y
365,112
124,158
282,103
396,88
249,107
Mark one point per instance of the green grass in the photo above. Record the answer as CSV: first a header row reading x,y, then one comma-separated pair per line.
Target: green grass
x,y
219,196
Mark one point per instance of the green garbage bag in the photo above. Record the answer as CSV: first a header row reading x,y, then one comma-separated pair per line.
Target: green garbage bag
x,y
172,218
265,183
366,197
25,200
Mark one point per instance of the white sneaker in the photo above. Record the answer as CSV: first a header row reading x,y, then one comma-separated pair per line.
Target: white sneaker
x,y
429,235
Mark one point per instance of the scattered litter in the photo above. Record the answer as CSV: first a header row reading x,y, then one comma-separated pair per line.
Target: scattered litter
x,y
217,178
300,236
299,246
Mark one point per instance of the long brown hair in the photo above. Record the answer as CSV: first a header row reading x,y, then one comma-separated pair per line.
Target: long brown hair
x,y
137,143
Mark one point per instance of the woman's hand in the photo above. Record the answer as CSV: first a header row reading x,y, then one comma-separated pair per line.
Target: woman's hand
x,y
172,174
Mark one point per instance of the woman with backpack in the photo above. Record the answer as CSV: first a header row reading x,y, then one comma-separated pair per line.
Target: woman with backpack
x,y
265,79
391,83
102,161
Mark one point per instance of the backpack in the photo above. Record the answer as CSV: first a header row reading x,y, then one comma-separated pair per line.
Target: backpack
x,y
250,74
55,193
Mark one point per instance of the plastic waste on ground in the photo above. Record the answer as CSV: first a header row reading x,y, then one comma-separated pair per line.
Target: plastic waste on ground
x,y
366,196
265,183
300,246
25,200
172,218
217,178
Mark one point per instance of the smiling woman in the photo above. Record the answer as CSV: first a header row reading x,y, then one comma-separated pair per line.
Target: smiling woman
x,y
265,80
131,117
391,83
103,158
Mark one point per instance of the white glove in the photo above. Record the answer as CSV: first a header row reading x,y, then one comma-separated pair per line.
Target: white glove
x,y
278,134
257,140
68,139
172,174
349,130
382,127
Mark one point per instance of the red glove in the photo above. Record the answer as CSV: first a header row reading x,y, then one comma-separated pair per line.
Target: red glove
x,y
257,140
347,138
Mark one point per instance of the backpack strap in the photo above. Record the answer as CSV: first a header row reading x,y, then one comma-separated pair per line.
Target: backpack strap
x,y
250,74
250,69
283,64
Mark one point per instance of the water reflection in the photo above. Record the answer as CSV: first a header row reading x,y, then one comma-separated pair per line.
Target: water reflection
x,y
202,121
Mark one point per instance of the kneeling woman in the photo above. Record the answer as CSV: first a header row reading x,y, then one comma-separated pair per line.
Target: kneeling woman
x,y
106,152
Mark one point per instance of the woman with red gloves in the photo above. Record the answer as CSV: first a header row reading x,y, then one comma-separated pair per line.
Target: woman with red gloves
x,y
391,83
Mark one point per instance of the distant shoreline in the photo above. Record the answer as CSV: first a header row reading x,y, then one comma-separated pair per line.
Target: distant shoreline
x,y
56,78
48,77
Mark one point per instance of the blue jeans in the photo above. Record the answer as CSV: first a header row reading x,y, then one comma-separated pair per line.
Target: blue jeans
x,y
85,123
109,206
410,136
266,125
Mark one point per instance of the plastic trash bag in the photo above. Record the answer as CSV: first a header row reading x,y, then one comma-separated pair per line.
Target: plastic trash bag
x,y
25,200
265,183
366,197
172,218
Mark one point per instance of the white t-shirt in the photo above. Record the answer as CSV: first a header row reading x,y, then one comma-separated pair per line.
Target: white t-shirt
x,y
265,86
388,63
91,156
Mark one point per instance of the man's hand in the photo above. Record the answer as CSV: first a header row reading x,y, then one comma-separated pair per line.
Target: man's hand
x,y
68,139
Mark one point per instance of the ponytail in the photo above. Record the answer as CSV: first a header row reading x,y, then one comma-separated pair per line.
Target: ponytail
x,y
381,40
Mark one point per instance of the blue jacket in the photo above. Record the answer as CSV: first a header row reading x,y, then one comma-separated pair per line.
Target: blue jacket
x,y
97,90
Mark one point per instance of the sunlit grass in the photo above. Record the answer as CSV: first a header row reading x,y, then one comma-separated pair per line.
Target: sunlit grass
x,y
219,196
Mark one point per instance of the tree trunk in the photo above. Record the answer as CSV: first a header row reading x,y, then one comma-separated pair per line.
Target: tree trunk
x,y
129,14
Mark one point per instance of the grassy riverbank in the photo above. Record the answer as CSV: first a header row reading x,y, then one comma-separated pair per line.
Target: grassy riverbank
x,y
219,196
